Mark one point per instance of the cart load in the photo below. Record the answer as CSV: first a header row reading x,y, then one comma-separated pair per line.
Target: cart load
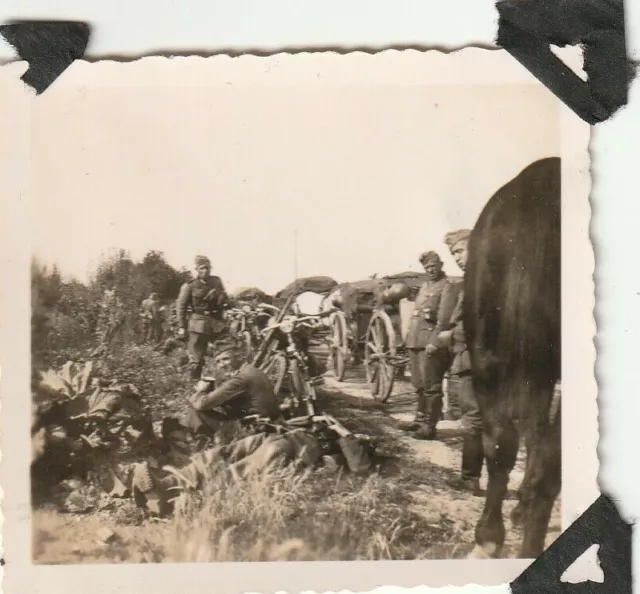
x,y
367,295
251,295
370,327
322,285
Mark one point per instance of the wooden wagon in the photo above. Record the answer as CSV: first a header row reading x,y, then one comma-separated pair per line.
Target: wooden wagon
x,y
371,326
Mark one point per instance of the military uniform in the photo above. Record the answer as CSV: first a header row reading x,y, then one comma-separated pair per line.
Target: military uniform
x,y
243,457
460,382
450,301
152,320
111,317
427,369
248,392
206,298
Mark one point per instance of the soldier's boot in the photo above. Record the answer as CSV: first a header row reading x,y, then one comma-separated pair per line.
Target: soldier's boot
x,y
420,416
472,460
427,430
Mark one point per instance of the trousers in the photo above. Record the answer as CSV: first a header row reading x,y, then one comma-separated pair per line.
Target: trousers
x,y
461,388
417,364
206,421
435,366
472,449
255,453
197,347
427,375
152,331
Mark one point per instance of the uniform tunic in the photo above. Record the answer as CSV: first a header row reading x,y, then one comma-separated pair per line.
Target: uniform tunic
x,y
460,383
246,393
425,315
424,368
206,299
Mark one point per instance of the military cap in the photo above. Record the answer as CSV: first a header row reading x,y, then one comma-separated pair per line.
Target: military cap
x,y
429,256
202,260
454,237
225,344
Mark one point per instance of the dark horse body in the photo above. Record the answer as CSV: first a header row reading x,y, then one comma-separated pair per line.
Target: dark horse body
x,y
512,322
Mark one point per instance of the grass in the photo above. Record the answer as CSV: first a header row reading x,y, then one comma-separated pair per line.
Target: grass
x,y
280,516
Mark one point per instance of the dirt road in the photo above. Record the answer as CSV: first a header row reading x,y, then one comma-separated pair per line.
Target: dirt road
x,y
443,456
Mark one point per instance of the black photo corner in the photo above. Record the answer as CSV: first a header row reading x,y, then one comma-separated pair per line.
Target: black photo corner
x,y
526,30
49,47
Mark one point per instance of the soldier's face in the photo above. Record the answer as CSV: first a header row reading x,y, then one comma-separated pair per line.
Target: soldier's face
x,y
204,270
459,253
432,269
226,362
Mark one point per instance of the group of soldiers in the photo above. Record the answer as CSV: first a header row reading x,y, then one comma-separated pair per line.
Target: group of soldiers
x,y
437,345
238,391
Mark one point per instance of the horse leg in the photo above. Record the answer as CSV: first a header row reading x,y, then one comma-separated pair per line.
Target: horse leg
x,y
518,512
500,441
541,486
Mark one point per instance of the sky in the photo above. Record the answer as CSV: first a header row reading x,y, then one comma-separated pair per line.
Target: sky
x,y
366,176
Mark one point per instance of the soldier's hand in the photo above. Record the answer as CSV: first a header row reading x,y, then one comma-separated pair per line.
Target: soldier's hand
x,y
445,337
181,332
194,400
430,348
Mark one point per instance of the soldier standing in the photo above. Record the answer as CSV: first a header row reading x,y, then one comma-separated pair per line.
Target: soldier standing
x,y
207,298
427,365
451,334
152,321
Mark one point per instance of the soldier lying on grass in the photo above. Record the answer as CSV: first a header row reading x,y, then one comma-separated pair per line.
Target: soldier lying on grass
x,y
323,442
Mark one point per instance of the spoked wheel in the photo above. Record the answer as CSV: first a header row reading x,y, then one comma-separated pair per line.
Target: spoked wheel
x,y
275,368
339,344
247,345
379,355
301,392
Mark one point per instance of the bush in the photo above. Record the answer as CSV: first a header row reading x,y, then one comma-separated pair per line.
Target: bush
x,y
69,317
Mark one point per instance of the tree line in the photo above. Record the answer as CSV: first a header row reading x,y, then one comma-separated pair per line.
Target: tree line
x,y
65,314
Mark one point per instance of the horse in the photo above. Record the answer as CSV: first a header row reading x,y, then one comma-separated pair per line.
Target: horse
x,y
512,324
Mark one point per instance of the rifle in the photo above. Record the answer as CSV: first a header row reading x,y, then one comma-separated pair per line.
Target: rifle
x,y
307,421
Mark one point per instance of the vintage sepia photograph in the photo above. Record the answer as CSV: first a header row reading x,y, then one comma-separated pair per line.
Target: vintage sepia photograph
x,y
302,308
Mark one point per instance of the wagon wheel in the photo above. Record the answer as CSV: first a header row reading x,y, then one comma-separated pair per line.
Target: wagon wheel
x,y
379,352
339,344
275,368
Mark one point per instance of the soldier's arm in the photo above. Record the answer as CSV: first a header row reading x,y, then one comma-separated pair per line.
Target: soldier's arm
x,y
181,305
223,299
448,301
229,390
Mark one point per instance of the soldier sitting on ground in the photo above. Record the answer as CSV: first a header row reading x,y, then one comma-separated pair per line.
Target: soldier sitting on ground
x,y
327,443
238,390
